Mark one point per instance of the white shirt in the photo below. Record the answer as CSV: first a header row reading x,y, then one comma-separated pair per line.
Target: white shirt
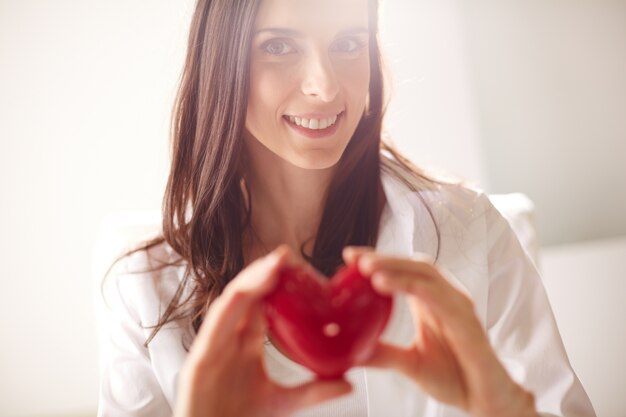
x,y
479,253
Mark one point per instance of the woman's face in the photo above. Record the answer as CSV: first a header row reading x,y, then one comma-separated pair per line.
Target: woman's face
x,y
309,78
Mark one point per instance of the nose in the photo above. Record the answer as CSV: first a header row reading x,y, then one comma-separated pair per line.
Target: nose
x,y
319,78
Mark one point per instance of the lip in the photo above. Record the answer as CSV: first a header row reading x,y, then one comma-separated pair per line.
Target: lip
x,y
316,115
319,133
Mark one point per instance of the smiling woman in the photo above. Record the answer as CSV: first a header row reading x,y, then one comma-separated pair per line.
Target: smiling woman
x,y
278,164
313,67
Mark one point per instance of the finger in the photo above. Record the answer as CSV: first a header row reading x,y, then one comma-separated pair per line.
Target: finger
x,y
297,262
420,266
292,259
241,296
441,298
419,263
310,270
259,278
310,394
452,310
351,254
393,357
252,331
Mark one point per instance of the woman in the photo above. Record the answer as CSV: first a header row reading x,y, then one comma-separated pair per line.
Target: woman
x,y
278,160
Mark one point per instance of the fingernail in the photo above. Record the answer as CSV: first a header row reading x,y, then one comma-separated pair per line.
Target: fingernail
x,y
378,279
365,263
275,254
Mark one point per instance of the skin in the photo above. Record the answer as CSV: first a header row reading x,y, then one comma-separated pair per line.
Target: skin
x,y
450,359
322,71
224,374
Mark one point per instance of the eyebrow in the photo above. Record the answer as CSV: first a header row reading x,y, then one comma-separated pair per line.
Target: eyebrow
x,y
296,34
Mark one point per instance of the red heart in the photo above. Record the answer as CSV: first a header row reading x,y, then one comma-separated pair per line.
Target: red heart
x,y
327,326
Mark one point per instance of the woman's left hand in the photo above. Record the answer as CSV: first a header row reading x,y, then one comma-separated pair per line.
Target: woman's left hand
x,y
451,358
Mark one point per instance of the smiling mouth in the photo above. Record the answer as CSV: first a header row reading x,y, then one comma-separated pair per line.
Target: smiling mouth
x,y
313,124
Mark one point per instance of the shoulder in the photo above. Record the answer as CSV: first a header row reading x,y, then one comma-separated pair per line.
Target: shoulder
x,y
143,283
465,219
450,215
444,198
457,200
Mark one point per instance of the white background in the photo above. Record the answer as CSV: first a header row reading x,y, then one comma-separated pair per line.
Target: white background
x,y
516,98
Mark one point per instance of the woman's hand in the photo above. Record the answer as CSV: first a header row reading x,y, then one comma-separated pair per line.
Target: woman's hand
x,y
224,374
451,358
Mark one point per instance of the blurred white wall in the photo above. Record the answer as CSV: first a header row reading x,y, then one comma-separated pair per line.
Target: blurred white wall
x,y
586,283
550,82
432,116
85,96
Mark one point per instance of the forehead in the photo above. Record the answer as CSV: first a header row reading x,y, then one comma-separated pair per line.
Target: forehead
x,y
312,15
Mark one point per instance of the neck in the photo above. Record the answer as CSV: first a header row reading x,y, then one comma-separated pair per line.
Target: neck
x,y
287,201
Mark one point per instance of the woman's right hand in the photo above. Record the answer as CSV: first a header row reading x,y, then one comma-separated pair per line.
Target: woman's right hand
x,y
224,374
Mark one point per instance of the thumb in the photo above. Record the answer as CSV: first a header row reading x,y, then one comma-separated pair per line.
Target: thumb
x,y
351,254
394,357
313,393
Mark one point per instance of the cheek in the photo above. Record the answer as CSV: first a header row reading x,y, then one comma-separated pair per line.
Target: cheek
x,y
355,81
268,89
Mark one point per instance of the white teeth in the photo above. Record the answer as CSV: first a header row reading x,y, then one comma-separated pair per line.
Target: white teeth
x,y
313,124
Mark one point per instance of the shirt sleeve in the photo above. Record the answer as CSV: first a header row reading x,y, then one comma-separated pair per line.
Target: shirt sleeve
x,y
128,385
522,328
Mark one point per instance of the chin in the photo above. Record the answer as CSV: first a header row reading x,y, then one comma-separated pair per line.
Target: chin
x,y
316,161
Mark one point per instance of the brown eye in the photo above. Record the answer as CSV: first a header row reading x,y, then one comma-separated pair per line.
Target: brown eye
x,y
277,47
347,45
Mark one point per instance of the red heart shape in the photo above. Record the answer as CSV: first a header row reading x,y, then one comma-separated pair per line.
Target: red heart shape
x,y
327,326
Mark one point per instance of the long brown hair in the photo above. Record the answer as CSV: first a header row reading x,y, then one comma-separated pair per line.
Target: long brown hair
x,y
204,212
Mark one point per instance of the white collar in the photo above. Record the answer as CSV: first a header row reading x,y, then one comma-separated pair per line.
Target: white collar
x,y
397,223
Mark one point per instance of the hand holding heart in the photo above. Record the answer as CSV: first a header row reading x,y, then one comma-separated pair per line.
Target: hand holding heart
x,y
451,358
224,374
